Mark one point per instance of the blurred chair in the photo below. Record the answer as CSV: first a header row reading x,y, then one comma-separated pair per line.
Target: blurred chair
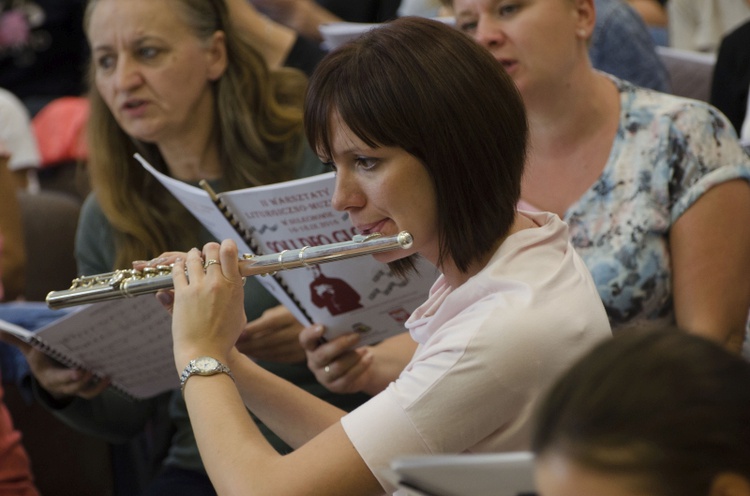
x,y
66,177
689,72
64,462
49,219
13,252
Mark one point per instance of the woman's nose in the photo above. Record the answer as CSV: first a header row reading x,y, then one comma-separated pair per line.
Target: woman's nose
x,y
127,74
489,33
347,193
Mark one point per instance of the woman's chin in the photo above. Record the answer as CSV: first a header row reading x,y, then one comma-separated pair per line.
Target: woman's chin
x,y
391,256
140,130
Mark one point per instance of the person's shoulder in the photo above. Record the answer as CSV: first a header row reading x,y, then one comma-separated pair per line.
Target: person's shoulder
x,y
604,6
95,243
616,18
739,38
680,121
660,103
606,9
91,212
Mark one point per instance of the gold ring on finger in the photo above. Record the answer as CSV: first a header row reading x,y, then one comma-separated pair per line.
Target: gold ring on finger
x,y
210,261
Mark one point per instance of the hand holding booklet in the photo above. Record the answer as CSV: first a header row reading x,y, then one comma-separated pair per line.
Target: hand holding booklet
x,y
358,294
128,341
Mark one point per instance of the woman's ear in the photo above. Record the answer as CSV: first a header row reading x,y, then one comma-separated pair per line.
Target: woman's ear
x,y
585,17
730,484
217,56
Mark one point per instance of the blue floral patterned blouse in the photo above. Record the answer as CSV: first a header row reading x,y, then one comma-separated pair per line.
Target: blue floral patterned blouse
x,y
667,153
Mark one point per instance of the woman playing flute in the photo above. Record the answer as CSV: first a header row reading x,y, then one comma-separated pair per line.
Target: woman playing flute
x,y
426,133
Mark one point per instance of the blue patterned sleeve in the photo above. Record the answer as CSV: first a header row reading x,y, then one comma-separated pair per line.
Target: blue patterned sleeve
x,y
704,152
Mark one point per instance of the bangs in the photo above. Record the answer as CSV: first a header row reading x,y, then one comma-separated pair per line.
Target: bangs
x,y
341,86
319,109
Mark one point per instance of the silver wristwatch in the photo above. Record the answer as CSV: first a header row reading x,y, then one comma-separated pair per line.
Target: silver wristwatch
x,y
204,365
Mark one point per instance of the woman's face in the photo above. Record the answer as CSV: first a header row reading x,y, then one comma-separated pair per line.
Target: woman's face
x,y
384,190
537,41
557,475
153,73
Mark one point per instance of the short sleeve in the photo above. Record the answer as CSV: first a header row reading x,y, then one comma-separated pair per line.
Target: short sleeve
x,y
704,152
493,384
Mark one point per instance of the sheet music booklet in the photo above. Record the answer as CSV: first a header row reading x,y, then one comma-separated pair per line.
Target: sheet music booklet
x,y
128,340
477,474
358,294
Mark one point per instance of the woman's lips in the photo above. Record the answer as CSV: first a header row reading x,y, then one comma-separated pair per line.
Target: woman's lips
x,y
508,65
134,107
371,228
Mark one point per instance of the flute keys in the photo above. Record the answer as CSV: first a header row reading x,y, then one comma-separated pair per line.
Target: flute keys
x,y
159,270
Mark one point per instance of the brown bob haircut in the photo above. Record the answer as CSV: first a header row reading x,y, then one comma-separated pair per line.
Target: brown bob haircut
x,y
668,410
422,86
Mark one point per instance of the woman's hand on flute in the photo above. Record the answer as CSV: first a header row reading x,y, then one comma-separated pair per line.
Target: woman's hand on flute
x,y
274,336
165,296
208,313
166,258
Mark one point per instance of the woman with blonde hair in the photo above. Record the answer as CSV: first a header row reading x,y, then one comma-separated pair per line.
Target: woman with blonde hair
x,y
254,132
655,188
645,180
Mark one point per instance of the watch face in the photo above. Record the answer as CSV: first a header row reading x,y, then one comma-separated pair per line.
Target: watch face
x,y
206,364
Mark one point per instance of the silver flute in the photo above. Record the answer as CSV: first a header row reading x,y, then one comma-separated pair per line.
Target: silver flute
x,y
130,282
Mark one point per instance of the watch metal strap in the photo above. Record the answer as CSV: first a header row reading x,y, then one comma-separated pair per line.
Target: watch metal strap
x,y
191,370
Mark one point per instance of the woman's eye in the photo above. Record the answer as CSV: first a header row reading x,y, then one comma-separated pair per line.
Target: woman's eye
x,y
508,9
105,62
148,52
467,27
366,163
